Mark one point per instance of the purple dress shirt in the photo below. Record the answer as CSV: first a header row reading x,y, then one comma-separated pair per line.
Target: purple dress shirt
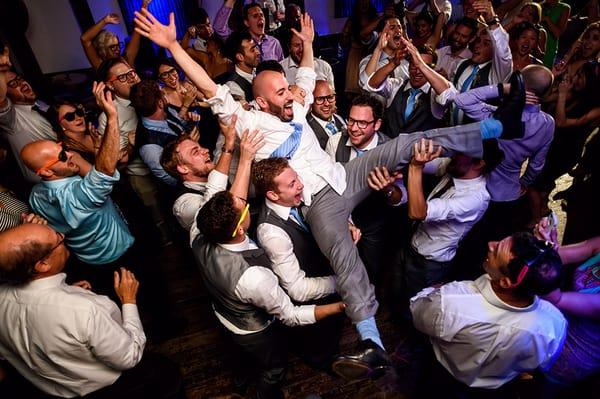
x,y
270,48
504,183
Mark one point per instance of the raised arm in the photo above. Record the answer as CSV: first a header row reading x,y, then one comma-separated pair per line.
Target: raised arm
x,y
438,82
373,62
88,36
222,19
440,22
250,143
307,35
166,36
108,154
423,152
133,47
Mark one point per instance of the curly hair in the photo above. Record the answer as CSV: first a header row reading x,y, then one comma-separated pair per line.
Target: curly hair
x,y
264,173
101,41
217,218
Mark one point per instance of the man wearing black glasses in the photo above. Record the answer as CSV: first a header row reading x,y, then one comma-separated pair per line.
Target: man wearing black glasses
x,y
20,121
322,117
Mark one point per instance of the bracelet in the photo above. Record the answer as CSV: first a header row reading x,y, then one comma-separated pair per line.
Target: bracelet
x,y
494,21
226,150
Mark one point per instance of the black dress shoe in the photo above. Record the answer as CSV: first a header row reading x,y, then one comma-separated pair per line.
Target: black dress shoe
x,y
367,361
509,113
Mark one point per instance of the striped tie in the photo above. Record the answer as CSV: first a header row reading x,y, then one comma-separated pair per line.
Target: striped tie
x,y
410,103
288,148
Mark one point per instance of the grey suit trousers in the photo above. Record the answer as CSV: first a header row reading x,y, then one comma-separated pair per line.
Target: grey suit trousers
x,y
329,211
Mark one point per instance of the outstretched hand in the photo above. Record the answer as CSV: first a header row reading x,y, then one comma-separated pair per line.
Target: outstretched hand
x,y
111,18
412,51
307,29
148,26
250,143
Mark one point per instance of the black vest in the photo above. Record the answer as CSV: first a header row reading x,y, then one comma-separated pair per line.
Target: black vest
x,y
311,259
321,133
420,119
482,78
342,152
221,270
244,85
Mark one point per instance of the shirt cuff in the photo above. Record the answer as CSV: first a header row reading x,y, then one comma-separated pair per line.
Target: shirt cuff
x,y
99,177
217,179
447,95
219,97
368,87
306,314
306,72
130,312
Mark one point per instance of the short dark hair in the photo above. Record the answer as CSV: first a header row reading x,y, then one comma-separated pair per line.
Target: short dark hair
x,y
469,23
217,218
169,159
269,65
368,100
103,71
247,8
17,267
145,96
426,49
384,19
545,266
425,16
233,44
518,29
264,173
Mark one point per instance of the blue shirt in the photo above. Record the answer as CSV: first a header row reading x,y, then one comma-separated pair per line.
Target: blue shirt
x,y
81,209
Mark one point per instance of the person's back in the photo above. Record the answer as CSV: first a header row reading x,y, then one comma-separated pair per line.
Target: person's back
x,y
51,336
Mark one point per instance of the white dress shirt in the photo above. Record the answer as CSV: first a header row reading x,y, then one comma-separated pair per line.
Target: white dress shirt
x,y
65,340
449,62
483,341
400,73
280,250
322,69
324,123
313,165
260,287
235,88
450,217
21,125
187,205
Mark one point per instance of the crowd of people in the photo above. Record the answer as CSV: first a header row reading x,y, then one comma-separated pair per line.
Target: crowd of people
x,y
418,179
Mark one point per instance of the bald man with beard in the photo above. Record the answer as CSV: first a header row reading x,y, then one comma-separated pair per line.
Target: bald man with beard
x,y
331,190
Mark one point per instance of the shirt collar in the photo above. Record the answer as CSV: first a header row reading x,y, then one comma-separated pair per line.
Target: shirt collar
x,y
160,126
280,210
121,101
195,184
240,246
291,63
372,144
483,284
323,121
461,184
248,76
425,88
45,282
481,66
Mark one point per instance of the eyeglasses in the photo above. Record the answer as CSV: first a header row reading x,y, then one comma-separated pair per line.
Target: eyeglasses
x,y
116,47
165,74
60,242
16,82
242,218
124,77
61,157
360,124
70,116
543,248
321,99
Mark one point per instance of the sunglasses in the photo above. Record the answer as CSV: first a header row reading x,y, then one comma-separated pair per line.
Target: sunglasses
x,y
70,116
61,157
242,218
124,77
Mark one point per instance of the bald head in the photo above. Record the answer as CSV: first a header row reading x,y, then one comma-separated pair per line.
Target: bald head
x,y
264,82
22,248
273,95
538,79
38,153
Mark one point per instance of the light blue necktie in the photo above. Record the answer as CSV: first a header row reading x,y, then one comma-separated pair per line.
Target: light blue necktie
x,y
360,153
288,148
466,86
294,214
410,103
331,127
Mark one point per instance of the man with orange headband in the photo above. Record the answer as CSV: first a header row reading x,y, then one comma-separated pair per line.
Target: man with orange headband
x,y
485,332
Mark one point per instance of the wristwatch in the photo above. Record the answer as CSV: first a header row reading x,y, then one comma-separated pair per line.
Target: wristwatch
x,y
494,21
389,192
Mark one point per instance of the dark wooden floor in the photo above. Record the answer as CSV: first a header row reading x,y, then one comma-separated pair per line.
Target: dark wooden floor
x,y
200,349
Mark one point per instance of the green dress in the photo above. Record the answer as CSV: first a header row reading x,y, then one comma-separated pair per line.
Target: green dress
x,y
552,41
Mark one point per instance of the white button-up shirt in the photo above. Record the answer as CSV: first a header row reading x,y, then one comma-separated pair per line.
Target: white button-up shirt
x,y
280,250
322,69
313,165
483,341
449,62
47,327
